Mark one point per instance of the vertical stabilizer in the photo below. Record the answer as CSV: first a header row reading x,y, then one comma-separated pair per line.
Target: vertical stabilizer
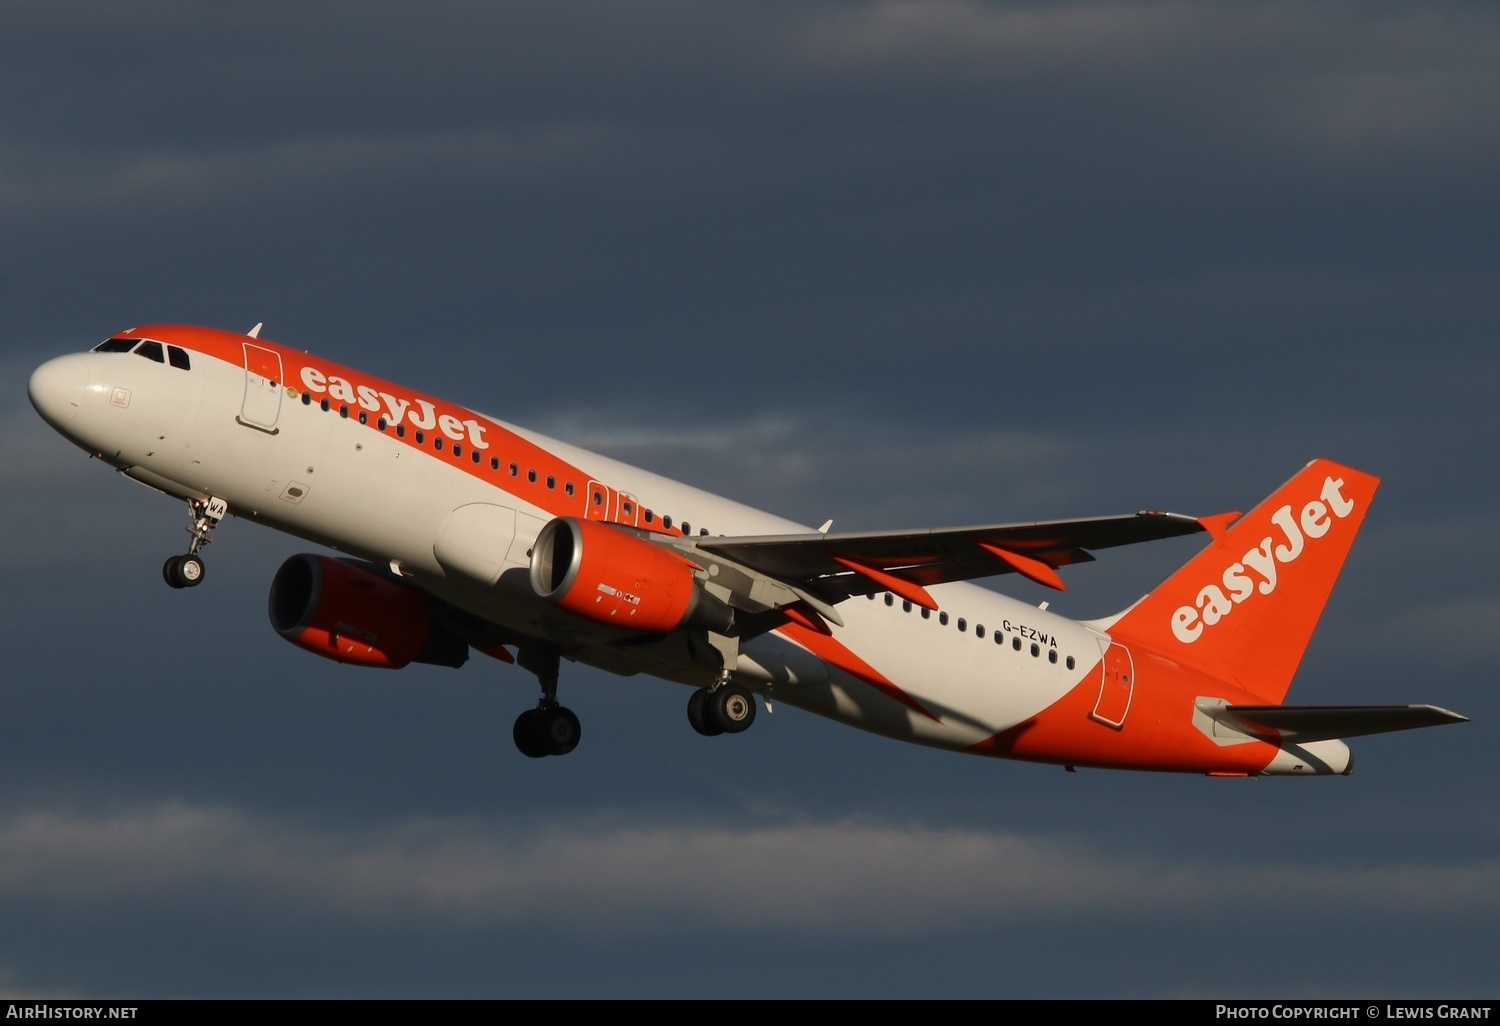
x,y
1245,607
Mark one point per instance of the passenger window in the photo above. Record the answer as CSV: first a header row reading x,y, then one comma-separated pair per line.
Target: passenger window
x,y
666,522
344,411
926,613
999,638
979,630
1070,662
1035,650
437,442
627,509
474,455
380,424
531,476
458,451
178,358
1051,655
650,516
687,528
419,437
116,345
551,481
943,619
906,605
598,499
514,470
400,430
323,404
1015,643
151,351
364,418
889,599
306,398
963,624
494,462
568,488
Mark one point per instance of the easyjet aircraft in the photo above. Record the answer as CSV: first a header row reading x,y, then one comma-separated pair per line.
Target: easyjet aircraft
x,y
465,532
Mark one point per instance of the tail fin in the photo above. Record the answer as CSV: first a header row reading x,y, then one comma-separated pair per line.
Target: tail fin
x,y
1245,607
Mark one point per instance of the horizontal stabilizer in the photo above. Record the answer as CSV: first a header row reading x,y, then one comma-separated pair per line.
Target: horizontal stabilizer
x,y
1303,723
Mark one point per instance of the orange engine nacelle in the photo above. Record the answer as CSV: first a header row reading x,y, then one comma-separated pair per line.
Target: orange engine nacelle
x,y
612,577
341,611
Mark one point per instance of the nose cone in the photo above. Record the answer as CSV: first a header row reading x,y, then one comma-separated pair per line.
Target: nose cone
x,y
56,389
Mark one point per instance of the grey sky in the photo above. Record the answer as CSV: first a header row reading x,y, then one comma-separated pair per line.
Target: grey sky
x,y
897,264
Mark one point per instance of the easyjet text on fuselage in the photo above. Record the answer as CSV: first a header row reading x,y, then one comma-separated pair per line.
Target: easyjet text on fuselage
x,y
421,414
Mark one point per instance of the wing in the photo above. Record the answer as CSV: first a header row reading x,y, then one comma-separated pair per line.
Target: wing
x,y
837,566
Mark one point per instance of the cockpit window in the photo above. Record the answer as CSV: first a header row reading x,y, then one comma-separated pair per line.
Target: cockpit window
x,y
151,351
116,345
178,358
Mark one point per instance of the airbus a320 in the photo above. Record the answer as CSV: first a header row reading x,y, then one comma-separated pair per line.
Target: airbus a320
x,y
464,533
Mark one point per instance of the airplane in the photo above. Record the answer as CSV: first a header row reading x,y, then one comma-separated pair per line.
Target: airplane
x,y
462,533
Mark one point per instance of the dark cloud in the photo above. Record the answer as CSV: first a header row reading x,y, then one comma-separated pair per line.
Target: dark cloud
x,y
891,263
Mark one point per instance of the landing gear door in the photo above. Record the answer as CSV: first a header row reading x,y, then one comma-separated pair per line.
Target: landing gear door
x,y
263,383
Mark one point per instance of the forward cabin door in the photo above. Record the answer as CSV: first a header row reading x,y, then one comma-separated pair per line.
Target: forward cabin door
x,y
263,382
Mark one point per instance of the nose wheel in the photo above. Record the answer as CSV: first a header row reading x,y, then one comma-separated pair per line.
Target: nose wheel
x,y
187,571
183,571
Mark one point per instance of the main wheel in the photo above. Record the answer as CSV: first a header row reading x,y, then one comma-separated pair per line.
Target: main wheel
x,y
700,716
560,729
528,735
733,707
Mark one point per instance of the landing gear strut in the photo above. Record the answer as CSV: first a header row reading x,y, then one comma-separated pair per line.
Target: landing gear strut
x,y
187,571
726,709
549,729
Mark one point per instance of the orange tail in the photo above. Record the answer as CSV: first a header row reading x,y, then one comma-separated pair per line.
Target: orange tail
x,y
1245,607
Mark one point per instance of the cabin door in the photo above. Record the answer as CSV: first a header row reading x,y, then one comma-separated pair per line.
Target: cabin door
x,y
1116,685
263,384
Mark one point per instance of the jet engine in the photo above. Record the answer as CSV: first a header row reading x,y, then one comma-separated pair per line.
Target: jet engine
x,y
341,611
613,577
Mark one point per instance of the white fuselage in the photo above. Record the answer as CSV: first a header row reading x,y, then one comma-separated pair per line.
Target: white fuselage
x,y
981,665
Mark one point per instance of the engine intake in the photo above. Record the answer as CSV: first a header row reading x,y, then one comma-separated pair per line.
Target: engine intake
x,y
341,611
612,577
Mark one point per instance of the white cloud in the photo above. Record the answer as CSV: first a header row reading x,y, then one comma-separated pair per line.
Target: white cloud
x,y
605,877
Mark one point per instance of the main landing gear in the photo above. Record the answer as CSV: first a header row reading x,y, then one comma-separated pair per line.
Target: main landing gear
x,y
549,729
187,571
726,709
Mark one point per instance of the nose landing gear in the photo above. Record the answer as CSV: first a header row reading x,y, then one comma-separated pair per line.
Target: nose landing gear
x,y
187,571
